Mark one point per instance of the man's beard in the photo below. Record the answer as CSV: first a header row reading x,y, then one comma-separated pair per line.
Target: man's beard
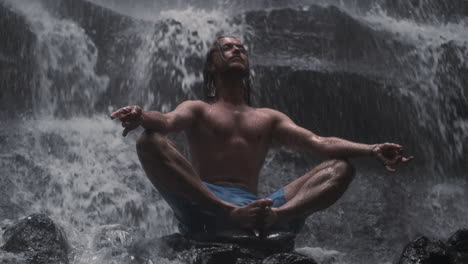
x,y
237,72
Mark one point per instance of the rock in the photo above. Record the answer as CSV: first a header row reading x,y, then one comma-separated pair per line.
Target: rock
x,y
459,240
292,258
274,242
39,239
459,243
422,250
232,247
17,63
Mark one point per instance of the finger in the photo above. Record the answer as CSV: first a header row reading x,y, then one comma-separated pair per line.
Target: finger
x,y
116,114
130,125
404,160
266,203
125,131
393,161
390,168
264,211
397,147
128,129
124,116
135,110
119,113
128,117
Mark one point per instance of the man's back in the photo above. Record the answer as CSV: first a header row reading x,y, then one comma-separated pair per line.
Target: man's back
x,y
228,143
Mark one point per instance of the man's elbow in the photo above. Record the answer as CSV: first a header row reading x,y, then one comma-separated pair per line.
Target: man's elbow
x,y
319,146
156,121
325,148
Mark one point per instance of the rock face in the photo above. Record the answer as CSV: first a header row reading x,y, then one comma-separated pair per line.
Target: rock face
x,y
39,239
423,250
16,62
459,243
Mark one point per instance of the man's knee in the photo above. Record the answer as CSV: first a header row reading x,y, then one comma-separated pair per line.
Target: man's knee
x,y
343,170
151,142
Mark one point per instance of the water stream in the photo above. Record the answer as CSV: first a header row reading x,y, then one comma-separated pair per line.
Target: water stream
x,y
393,75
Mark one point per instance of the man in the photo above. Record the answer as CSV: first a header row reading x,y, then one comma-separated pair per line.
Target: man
x,y
228,142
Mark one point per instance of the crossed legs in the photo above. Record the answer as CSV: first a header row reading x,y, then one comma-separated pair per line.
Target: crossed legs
x,y
316,190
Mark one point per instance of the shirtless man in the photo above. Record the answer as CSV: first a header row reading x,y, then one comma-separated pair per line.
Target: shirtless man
x,y
228,141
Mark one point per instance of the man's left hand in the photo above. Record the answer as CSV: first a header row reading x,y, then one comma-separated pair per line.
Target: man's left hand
x,y
390,155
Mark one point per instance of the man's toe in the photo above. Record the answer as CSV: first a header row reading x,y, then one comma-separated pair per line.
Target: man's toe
x,y
266,202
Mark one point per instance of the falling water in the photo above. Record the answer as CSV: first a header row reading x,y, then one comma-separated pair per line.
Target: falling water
x,y
62,155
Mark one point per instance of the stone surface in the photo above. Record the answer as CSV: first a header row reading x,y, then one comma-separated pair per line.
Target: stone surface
x,y
17,62
425,251
227,248
458,241
233,247
39,239
422,250
292,258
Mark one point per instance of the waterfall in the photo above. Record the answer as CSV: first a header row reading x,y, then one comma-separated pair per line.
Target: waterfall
x,y
369,71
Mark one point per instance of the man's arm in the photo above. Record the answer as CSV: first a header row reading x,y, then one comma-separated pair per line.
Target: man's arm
x,y
178,120
181,118
286,132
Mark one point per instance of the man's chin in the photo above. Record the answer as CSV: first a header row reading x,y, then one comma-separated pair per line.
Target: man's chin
x,y
240,70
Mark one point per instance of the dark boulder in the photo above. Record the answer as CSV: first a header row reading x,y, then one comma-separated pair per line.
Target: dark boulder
x,y
458,242
39,239
226,248
292,258
424,251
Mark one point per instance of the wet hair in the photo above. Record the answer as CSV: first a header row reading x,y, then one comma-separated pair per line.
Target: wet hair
x,y
209,88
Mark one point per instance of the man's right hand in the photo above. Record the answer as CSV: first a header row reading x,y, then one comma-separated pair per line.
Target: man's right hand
x,y
130,116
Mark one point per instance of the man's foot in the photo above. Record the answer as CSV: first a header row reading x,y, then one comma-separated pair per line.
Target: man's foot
x,y
253,215
270,218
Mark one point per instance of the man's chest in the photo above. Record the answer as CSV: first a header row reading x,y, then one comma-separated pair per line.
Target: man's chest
x,y
225,124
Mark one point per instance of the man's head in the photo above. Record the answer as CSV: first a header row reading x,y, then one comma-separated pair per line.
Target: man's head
x,y
227,55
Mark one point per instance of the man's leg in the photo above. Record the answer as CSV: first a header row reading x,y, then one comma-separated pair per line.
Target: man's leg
x,y
166,167
314,191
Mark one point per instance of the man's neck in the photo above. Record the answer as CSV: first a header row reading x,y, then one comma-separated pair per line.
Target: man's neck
x,y
230,89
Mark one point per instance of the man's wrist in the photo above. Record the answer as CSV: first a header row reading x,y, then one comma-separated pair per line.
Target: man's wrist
x,y
373,149
143,119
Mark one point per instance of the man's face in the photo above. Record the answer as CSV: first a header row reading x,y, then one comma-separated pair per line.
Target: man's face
x,y
230,55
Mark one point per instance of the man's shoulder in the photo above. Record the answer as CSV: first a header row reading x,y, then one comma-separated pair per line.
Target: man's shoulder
x,y
270,112
193,104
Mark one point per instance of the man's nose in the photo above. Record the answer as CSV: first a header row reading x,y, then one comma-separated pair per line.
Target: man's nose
x,y
236,49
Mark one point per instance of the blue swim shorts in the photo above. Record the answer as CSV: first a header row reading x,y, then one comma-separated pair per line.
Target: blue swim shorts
x,y
193,218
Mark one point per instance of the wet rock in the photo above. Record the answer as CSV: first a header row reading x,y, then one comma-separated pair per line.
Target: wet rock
x,y
424,251
270,243
232,247
459,243
16,62
39,239
292,258
459,240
